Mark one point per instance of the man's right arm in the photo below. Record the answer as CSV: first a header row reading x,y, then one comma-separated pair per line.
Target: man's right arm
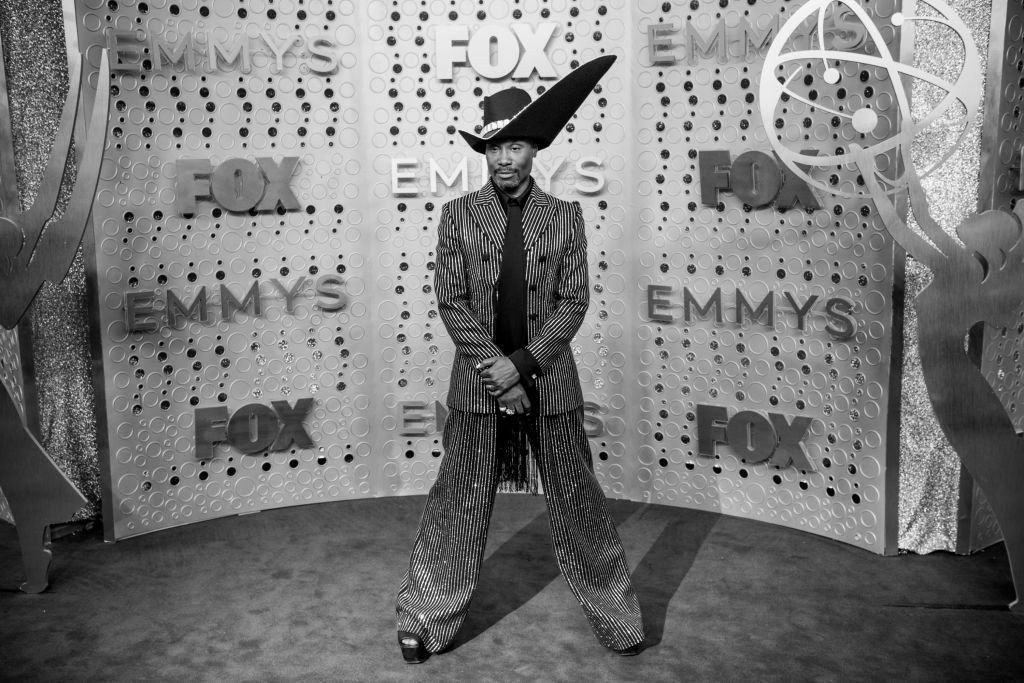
x,y
453,294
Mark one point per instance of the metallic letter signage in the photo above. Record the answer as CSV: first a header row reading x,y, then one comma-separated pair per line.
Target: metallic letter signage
x,y
754,438
496,51
237,184
755,178
254,428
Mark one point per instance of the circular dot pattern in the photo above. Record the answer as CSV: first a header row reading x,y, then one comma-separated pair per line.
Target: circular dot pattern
x,y
839,251
293,99
10,375
378,155
1003,351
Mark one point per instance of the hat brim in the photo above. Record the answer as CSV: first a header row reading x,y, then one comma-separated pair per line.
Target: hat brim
x,y
543,119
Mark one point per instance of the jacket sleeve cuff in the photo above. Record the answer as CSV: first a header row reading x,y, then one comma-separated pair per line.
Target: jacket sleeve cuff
x,y
526,364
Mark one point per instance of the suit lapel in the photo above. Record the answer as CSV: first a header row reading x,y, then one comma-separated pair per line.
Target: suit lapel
x,y
537,218
488,216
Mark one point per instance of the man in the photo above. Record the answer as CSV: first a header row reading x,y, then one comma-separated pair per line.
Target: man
x,y
512,291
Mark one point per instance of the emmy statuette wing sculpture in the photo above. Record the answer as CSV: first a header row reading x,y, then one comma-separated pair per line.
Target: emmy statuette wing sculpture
x,y
34,248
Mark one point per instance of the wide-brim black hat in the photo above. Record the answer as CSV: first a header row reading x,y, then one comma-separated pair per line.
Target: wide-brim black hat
x,y
509,113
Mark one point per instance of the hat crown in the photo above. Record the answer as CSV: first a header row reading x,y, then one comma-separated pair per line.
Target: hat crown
x,y
504,105
511,114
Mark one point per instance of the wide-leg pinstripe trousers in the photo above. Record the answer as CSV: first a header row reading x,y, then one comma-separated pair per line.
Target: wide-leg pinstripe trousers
x,y
449,549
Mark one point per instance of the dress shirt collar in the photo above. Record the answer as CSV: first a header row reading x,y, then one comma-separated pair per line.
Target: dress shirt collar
x,y
503,196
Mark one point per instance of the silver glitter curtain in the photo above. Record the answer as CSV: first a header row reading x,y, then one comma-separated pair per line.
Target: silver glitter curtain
x,y
35,54
929,487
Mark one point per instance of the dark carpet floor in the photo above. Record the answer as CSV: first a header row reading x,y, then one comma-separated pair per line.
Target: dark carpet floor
x,y
307,594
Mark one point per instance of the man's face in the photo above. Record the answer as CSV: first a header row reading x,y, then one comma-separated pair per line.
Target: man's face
x,y
509,163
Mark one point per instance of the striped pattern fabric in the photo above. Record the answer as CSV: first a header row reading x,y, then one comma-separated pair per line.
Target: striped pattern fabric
x,y
449,549
470,238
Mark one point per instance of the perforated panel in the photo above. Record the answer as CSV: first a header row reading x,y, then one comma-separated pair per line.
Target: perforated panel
x,y
373,126
10,367
1001,362
160,380
839,252
10,375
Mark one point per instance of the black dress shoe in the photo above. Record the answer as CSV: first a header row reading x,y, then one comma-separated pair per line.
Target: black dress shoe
x,y
413,650
632,650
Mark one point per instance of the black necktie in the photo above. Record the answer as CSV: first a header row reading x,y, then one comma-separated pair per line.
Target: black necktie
x,y
513,433
510,316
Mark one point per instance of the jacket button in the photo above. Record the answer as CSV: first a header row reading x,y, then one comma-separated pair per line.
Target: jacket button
x,y
486,257
542,258
533,288
533,316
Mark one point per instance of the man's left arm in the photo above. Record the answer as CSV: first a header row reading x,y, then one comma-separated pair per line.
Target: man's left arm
x,y
573,294
572,300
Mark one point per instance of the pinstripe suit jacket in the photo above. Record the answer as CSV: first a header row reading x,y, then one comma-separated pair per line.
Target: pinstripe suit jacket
x,y
470,238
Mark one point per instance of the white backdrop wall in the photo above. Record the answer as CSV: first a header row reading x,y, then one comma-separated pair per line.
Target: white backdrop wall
x,y
294,156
